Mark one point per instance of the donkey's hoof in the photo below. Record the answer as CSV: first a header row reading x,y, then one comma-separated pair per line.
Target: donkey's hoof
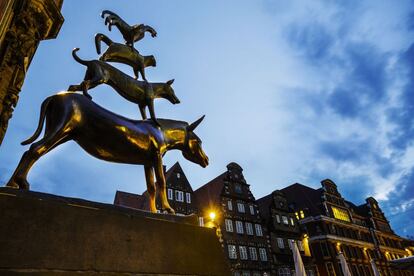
x,y
170,210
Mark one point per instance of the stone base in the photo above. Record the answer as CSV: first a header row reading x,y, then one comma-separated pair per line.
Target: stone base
x,y
42,234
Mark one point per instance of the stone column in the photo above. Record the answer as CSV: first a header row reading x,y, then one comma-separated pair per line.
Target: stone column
x,y
23,24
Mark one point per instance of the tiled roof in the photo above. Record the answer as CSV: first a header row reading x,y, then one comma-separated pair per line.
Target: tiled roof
x,y
209,193
129,200
304,197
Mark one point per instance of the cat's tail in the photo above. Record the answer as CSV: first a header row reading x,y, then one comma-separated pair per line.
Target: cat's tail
x,y
101,37
81,61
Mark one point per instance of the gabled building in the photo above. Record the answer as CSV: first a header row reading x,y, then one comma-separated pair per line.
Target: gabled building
x,y
179,193
227,203
282,226
332,225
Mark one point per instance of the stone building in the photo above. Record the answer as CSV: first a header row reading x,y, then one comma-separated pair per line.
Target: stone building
x,y
179,192
23,24
332,225
282,225
227,203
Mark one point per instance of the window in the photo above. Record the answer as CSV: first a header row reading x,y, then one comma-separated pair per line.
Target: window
x,y
330,269
280,243
258,230
179,196
243,252
292,222
283,271
278,218
262,254
170,194
229,225
229,205
253,253
245,273
251,209
249,228
324,248
290,241
340,214
201,221
178,175
232,251
188,197
285,220
240,207
239,227
238,188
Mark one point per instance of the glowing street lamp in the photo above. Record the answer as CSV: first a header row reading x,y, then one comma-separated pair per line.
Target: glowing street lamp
x,y
212,215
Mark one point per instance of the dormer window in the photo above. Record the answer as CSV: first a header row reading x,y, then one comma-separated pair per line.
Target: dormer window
x,y
178,175
238,188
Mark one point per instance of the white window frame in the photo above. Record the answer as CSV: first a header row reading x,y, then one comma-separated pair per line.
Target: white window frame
x,y
201,221
263,254
292,222
179,196
229,225
229,205
249,229
259,231
290,241
232,251
280,243
188,197
285,220
170,193
277,218
239,227
253,253
240,207
251,207
243,252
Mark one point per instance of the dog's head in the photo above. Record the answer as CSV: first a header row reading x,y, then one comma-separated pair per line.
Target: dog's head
x,y
169,93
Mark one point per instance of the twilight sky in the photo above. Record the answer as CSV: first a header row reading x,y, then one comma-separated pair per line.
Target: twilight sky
x,y
293,91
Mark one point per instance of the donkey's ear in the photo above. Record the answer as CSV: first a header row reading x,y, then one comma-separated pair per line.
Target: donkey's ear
x,y
195,124
170,82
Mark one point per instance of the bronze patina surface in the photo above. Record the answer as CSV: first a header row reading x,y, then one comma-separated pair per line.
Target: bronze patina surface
x,y
141,92
121,53
131,34
111,137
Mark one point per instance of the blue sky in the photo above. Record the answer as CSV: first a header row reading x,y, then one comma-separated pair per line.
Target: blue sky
x,y
293,91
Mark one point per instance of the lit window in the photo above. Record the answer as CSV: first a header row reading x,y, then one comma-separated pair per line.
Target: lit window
x,y
285,220
232,251
340,214
229,205
243,252
239,227
229,225
297,215
258,230
263,254
170,194
253,253
240,207
249,228
280,243
201,221
251,209
302,215
178,175
292,222
188,197
278,218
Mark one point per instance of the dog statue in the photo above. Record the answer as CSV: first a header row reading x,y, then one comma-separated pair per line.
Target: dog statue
x,y
131,34
121,53
141,92
110,137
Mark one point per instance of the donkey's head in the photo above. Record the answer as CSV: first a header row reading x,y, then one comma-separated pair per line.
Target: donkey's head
x,y
169,93
192,150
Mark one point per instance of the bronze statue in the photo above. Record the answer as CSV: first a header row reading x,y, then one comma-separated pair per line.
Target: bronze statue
x,y
110,137
118,52
131,34
140,92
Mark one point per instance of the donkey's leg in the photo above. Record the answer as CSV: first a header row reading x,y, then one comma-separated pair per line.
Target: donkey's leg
x,y
36,150
162,186
149,176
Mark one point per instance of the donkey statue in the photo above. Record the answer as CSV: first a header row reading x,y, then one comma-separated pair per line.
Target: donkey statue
x,y
111,137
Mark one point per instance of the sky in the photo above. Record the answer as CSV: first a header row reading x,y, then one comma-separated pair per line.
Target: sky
x,y
293,91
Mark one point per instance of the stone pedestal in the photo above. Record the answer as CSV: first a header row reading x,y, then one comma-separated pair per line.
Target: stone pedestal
x,y
42,234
